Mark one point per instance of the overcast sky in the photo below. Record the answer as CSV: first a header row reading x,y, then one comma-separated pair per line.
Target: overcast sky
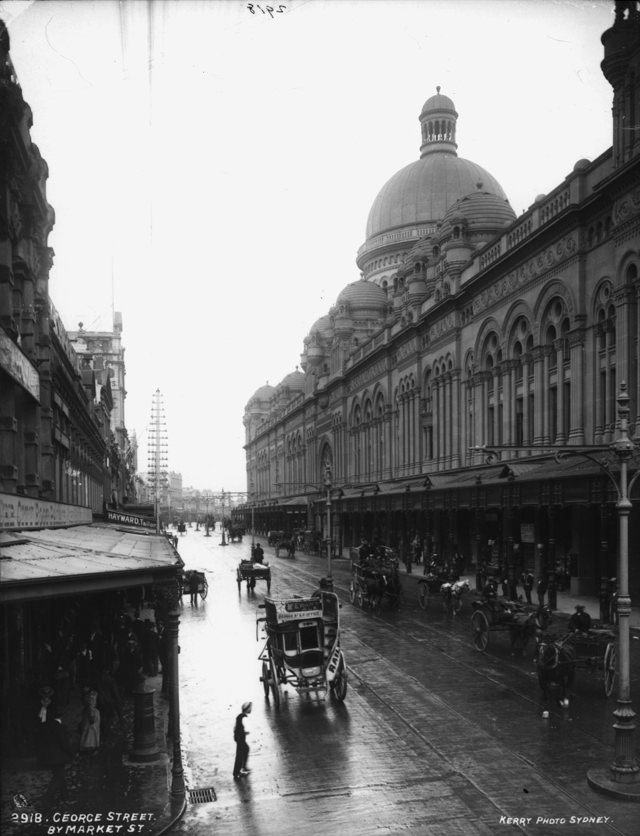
x,y
212,169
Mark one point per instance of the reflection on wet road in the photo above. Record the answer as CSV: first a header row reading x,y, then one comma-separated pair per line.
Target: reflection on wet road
x,y
433,737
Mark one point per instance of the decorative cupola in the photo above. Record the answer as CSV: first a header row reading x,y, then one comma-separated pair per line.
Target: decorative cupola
x,y
438,123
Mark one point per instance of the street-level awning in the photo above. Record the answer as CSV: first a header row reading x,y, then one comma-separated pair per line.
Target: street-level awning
x,y
88,558
301,501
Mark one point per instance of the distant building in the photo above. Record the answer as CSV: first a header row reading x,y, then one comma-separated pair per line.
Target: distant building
x,y
470,327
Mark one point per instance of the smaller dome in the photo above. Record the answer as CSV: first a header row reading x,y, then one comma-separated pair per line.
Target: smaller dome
x,y
321,326
438,102
481,211
263,393
294,380
583,163
363,295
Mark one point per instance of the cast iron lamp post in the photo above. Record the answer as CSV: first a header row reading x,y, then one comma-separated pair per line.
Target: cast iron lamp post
x,y
206,518
223,542
327,484
622,778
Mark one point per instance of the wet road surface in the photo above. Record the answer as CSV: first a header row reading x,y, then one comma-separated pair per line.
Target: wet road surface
x,y
433,737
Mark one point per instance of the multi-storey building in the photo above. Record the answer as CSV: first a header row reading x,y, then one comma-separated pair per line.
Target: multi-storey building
x,y
471,328
54,413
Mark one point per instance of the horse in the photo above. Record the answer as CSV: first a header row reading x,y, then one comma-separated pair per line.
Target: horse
x,y
452,595
556,664
524,628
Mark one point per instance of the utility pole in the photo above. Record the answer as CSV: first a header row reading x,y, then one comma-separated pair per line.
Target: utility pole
x,y
157,453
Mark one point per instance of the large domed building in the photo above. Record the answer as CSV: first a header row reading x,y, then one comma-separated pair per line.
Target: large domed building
x,y
470,328
412,203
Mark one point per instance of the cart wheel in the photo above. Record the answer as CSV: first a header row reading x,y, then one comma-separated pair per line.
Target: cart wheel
x,y
352,593
275,685
480,630
205,590
339,689
423,595
360,598
265,678
609,668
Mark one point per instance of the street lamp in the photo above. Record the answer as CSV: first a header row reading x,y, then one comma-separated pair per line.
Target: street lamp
x,y
223,542
622,778
327,484
206,518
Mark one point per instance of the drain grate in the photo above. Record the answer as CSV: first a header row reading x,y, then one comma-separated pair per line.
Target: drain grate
x,y
203,795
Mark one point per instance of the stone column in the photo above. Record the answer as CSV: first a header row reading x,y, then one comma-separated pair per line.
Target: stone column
x,y
168,597
577,346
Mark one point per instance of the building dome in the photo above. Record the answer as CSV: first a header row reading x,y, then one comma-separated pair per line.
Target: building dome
x,y
321,326
439,102
264,393
415,200
363,297
481,211
421,192
294,380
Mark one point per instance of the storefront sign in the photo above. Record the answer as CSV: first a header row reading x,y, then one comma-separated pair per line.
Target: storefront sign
x,y
19,512
14,362
527,533
130,519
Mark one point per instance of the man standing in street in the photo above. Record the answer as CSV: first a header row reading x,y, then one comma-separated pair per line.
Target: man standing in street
x,y
240,737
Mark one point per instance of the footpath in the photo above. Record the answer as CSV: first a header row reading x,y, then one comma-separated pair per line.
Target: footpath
x,y
110,794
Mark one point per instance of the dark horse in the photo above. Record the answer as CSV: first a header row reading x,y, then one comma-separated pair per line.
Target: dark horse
x,y
556,665
383,586
525,627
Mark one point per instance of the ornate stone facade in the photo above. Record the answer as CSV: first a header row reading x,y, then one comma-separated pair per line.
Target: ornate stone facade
x,y
494,331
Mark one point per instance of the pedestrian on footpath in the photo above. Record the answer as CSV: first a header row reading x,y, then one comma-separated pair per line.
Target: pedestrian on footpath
x,y
541,589
240,737
527,583
57,753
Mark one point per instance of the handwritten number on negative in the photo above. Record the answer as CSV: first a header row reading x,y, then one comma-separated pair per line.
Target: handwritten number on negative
x,y
267,10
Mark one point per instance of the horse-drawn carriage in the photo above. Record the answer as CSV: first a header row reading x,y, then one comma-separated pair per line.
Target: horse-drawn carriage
x,y
432,582
252,571
496,615
236,533
375,579
302,646
199,580
559,658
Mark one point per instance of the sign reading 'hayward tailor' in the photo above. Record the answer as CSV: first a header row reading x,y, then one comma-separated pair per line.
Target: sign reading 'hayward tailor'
x,y
130,519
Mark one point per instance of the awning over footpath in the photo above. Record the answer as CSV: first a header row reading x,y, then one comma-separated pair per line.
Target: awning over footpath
x,y
88,558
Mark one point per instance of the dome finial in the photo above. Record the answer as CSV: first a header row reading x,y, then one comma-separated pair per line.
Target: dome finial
x,y
438,89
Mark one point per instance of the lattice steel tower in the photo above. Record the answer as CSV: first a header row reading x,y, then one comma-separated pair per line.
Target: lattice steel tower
x,y
157,453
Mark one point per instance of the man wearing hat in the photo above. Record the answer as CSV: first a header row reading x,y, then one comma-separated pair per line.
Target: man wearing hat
x,y
240,737
580,621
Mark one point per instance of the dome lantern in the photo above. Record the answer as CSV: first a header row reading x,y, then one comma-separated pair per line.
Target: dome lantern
x,y
438,124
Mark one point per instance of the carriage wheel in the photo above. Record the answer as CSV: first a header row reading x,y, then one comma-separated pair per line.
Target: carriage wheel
x,y
423,595
352,593
609,666
480,630
205,590
265,678
275,685
339,688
